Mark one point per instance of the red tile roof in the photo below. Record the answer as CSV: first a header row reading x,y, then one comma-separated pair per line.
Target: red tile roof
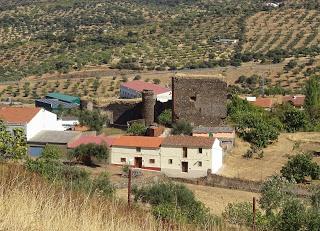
x,y
139,86
18,115
91,140
296,100
137,141
263,102
188,141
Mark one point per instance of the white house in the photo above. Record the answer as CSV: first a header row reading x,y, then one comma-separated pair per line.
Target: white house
x,y
133,89
190,156
175,156
31,120
138,151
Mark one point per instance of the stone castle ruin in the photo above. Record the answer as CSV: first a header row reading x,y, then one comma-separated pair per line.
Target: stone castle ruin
x,y
202,101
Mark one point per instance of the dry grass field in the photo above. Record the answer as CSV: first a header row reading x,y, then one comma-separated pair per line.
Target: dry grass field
x,y
27,203
275,156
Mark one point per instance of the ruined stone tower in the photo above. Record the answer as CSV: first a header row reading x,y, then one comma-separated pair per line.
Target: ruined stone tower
x,y
202,101
148,102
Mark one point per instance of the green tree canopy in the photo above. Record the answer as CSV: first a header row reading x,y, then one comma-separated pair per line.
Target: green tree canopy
x,y
182,127
165,118
13,145
299,167
85,152
312,100
93,119
137,129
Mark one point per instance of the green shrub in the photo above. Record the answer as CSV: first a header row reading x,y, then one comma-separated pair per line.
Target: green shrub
x,y
51,152
137,129
103,185
13,145
156,81
182,128
293,119
174,201
239,213
93,119
85,152
299,167
165,118
253,124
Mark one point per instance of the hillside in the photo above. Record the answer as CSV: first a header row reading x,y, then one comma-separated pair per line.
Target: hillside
x,y
39,37
30,203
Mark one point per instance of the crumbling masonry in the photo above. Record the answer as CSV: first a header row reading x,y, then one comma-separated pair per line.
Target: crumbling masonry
x,y
199,100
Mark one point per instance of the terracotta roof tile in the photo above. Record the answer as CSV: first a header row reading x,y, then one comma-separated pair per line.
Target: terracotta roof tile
x,y
18,115
137,141
139,86
91,140
188,141
262,102
296,100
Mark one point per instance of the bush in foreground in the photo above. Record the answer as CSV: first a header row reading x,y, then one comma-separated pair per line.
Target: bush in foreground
x,y
172,201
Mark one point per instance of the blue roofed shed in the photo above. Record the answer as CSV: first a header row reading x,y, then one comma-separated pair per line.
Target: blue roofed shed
x,y
54,104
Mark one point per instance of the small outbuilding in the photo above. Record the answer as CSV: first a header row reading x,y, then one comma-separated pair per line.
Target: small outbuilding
x,y
58,138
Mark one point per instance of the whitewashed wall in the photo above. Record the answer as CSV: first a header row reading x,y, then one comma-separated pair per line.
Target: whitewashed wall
x,y
43,120
130,153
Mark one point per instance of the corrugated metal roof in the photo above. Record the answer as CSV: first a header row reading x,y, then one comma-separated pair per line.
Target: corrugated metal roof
x,y
62,97
55,103
54,137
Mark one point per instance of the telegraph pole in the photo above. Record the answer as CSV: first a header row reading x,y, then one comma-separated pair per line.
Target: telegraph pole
x,y
129,187
254,214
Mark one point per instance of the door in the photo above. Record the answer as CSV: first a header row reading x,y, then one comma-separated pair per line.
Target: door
x,y
138,162
184,166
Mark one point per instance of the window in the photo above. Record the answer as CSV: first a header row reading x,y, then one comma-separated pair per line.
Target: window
x,y
123,160
138,149
199,163
200,150
170,161
152,161
185,152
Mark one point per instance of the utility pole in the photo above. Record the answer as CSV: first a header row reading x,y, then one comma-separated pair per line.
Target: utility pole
x,y
262,83
129,187
254,214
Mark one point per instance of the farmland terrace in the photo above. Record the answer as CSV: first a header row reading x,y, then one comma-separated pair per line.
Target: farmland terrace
x,y
39,37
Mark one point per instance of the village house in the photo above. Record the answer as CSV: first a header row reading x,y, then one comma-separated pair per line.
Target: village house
x,y
175,156
190,156
31,120
138,151
133,89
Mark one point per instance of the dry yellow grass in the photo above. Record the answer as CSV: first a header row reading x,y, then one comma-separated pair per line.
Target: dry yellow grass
x,y
275,156
27,203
